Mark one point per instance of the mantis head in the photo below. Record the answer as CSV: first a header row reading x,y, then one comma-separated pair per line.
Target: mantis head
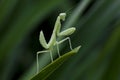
x,y
62,16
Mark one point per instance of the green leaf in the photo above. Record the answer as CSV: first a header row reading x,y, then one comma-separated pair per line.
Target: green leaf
x,y
48,70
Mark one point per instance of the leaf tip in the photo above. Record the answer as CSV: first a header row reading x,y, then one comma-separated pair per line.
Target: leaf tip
x,y
77,49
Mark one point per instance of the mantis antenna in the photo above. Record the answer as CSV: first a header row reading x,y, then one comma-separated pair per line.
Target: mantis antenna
x,y
53,40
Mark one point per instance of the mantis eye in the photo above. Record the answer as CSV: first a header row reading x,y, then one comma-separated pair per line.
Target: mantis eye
x,y
62,16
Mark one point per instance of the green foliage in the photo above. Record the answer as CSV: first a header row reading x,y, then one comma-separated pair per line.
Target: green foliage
x,y
97,25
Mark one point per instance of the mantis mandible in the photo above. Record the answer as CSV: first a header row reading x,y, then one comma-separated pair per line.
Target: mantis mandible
x,y
53,40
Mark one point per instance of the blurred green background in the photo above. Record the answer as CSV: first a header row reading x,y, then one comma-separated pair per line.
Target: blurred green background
x,y
98,31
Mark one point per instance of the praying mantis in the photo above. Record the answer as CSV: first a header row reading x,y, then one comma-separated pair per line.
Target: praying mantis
x,y
53,40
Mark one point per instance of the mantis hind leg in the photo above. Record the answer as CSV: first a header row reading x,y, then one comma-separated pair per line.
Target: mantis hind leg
x,y
68,38
58,51
51,56
45,51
